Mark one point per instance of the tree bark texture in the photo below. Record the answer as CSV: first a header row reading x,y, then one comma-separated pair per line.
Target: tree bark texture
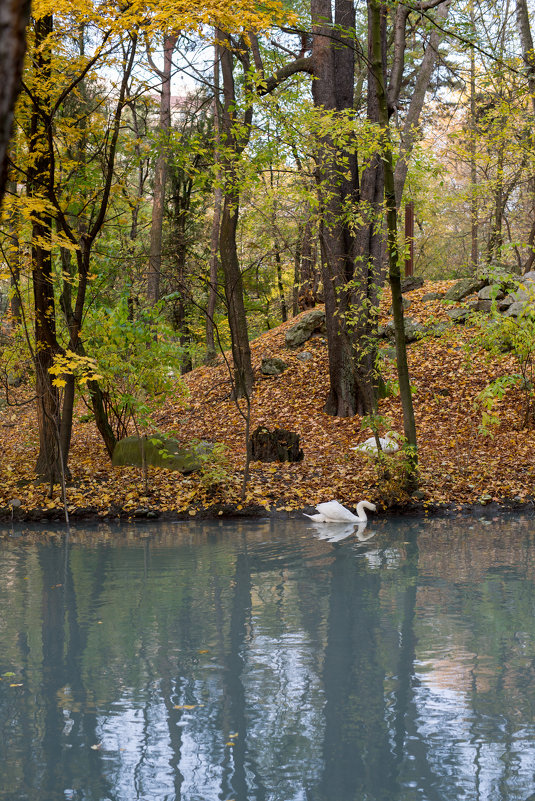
x,y
216,220
49,466
345,285
160,171
411,124
234,137
14,16
377,34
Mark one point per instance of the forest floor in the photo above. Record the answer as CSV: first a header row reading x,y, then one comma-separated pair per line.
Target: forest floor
x,y
459,466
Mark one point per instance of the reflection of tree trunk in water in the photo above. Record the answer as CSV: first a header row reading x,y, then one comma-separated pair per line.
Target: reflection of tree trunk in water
x,y
27,612
234,713
53,673
77,647
356,750
171,688
407,713
405,668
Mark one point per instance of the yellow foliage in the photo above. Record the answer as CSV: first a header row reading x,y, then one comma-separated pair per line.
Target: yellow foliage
x,y
157,16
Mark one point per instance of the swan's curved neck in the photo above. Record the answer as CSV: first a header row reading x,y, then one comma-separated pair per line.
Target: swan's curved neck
x,y
361,506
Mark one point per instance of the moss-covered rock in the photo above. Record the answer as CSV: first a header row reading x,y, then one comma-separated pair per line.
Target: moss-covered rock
x,y
159,452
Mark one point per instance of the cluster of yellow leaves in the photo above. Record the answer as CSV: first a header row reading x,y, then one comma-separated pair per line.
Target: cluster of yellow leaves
x,y
70,363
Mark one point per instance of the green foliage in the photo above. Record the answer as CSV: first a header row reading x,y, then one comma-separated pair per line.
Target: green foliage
x,y
138,359
515,335
214,465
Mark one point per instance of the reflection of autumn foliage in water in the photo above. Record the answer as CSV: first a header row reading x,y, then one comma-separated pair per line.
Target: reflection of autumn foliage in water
x,y
457,464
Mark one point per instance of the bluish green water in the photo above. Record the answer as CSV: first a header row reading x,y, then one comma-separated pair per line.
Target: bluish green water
x,y
259,662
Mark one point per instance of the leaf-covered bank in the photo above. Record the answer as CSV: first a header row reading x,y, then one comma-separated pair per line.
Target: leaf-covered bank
x,y
459,463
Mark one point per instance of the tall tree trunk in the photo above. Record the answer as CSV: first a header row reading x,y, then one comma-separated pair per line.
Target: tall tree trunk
x,y
49,465
526,39
235,135
345,290
13,259
216,219
276,250
14,17
376,33
528,54
474,223
160,170
410,130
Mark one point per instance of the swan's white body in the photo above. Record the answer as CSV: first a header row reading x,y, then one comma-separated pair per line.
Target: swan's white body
x,y
334,512
388,444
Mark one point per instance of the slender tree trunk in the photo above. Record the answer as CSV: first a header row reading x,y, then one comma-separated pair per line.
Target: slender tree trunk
x,y
526,39
14,257
216,220
411,125
160,172
394,272
235,135
495,241
474,224
528,54
277,254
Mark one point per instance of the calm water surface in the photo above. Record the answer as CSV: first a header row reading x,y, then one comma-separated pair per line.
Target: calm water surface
x,y
258,662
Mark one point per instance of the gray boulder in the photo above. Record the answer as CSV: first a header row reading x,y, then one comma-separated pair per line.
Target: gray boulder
x,y
491,292
432,296
159,452
481,305
273,366
518,308
412,282
413,330
459,315
309,324
465,287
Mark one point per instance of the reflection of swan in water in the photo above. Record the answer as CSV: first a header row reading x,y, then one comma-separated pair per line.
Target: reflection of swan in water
x,y
340,531
334,512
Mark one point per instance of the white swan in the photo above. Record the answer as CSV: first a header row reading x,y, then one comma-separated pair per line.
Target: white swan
x,y
388,444
334,512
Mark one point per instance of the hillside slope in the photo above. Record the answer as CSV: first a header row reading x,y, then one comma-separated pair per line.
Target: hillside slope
x,y
458,465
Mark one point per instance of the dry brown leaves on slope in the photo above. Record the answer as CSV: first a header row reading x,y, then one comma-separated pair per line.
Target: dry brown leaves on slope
x,y
458,464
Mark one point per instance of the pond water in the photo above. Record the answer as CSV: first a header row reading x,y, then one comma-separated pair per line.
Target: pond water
x,y
256,661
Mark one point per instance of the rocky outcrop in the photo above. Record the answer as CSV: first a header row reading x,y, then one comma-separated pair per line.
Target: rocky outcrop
x,y
311,323
413,330
465,287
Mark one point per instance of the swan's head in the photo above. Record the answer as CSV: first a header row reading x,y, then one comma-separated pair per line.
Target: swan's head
x,y
366,505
